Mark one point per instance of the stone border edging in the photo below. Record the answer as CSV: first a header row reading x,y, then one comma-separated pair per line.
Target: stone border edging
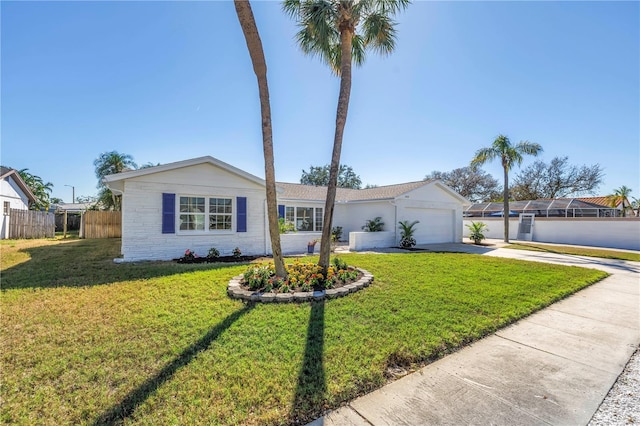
x,y
235,291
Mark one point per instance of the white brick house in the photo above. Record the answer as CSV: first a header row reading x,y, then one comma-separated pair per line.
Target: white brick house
x,y
203,202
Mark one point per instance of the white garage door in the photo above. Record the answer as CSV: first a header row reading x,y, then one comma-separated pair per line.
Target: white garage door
x,y
436,225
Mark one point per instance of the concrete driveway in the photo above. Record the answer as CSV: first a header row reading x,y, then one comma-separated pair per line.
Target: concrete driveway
x,y
552,368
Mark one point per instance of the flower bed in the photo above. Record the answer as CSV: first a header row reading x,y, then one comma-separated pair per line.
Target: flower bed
x,y
305,281
213,256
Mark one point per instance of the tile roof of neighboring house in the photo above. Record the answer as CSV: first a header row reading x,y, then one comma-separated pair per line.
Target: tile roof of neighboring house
x,y
296,191
601,201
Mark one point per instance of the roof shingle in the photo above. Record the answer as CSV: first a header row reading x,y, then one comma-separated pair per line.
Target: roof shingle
x,y
296,191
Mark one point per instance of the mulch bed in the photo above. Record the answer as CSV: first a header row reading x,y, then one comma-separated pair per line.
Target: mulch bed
x,y
219,259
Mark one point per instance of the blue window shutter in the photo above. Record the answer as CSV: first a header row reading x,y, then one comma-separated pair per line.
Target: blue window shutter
x,y
280,211
168,213
241,225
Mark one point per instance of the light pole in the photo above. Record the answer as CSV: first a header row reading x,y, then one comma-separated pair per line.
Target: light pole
x,y
73,193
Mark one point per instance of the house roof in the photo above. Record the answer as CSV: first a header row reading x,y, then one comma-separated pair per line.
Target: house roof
x,y
601,201
296,191
115,181
6,172
287,191
73,207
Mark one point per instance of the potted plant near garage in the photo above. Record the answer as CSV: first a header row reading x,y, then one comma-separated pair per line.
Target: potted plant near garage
x,y
477,231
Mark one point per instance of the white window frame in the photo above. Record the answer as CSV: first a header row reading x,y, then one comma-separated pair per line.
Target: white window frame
x,y
207,214
288,209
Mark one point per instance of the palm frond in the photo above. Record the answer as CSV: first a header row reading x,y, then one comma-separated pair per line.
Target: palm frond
x,y
529,148
358,50
482,156
292,8
390,7
379,33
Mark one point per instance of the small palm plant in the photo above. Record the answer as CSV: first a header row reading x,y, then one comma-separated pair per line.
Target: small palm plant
x,y
373,225
406,233
477,231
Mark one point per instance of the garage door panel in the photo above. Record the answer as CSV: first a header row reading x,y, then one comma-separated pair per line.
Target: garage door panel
x,y
436,225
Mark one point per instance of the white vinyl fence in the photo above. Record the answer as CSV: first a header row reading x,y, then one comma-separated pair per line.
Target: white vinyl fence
x,y
622,233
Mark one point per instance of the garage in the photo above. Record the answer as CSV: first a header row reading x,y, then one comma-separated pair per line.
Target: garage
x,y
436,225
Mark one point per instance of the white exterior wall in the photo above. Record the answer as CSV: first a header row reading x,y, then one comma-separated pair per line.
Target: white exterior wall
x,y
495,227
439,213
359,241
603,232
296,242
352,216
142,237
10,192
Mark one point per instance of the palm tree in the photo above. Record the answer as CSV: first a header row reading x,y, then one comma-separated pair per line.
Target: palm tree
x,y
509,155
254,44
109,163
340,32
635,204
39,188
620,196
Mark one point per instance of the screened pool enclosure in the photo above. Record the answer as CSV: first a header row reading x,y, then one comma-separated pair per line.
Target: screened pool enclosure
x,y
565,207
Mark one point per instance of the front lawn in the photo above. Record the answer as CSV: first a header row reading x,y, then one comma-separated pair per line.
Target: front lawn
x,y
87,341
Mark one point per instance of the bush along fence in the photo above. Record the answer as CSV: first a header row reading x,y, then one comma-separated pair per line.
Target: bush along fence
x,y
30,224
101,224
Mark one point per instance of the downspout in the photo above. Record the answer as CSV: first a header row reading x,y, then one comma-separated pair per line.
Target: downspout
x,y
267,240
395,221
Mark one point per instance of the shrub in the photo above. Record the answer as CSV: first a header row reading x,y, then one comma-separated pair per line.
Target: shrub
x,y
286,226
373,225
213,253
189,256
406,233
339,263
336,233
477,231
236,252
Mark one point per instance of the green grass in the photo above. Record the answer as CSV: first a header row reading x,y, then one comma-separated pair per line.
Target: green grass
x,y
578,251
87,341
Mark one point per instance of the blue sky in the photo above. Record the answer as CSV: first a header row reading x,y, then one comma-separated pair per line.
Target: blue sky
x,y
168,81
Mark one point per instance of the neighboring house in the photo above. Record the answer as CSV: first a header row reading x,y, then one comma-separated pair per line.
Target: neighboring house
x,y
203,202
14,194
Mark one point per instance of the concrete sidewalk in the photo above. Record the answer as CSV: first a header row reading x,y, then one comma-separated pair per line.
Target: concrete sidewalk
x,y
552,368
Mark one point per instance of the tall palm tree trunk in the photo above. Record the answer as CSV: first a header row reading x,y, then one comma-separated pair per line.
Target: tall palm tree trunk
x,y
341,120
254,44
505,204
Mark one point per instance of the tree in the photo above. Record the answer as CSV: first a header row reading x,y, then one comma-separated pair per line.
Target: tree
x,y
556,180
509,155
254,45
340,32
635,204
319,176
472,183
40,189
620,196
109,163
56,200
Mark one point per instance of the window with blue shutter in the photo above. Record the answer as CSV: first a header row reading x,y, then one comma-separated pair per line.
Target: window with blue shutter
x,y
280,211
241,223
168,213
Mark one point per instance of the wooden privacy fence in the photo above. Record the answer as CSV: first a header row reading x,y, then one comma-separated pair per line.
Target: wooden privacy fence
x,y
101,224
31,224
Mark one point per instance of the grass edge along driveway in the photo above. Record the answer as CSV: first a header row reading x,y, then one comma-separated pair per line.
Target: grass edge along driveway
x,y
86,341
